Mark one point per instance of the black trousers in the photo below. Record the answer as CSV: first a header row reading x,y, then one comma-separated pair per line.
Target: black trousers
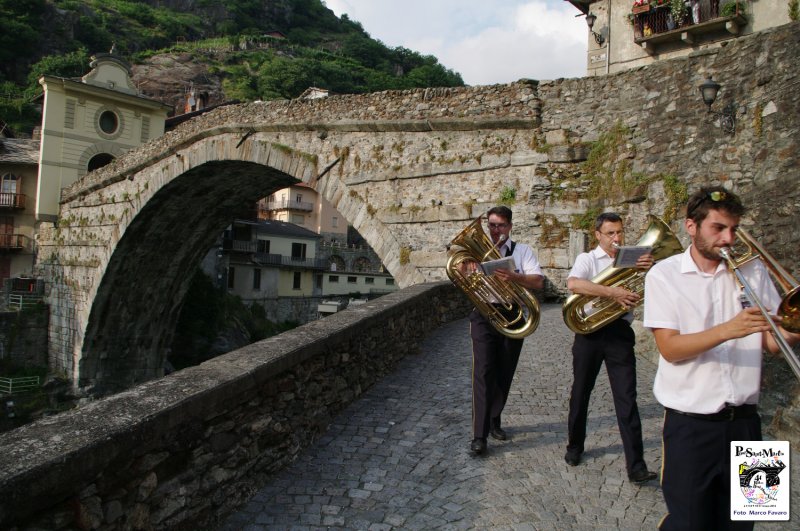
x,y
613,344
695,474
494,361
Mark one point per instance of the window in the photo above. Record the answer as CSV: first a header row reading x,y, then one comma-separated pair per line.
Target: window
x,y
298,251
369,280
298,219
297,278
8,191
319,281
333,279
335,221
299,198
99,160
108,122
256,279
262,246
351,280
390,282
231,275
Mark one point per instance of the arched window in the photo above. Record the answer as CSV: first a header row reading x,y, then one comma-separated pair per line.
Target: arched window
x,y
99,160
336,263
8,189
362,263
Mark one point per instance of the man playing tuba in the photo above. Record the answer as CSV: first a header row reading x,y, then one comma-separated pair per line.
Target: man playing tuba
x,y
613,344
494,355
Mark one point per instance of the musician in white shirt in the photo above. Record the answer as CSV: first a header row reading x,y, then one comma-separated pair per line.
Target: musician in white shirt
x,y
613,345
709,372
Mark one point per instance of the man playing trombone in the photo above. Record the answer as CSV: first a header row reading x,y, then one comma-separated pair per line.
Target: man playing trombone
x,y
612,344
710,336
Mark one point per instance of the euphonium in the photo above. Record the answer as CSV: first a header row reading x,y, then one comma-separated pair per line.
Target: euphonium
x,y
509,307
584,314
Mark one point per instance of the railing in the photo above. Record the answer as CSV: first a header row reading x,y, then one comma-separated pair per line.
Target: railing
x,y
12,241
287,204
658,19
289,261
23,301
9,200
10,386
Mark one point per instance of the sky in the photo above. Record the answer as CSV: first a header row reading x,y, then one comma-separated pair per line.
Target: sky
x,y
486,41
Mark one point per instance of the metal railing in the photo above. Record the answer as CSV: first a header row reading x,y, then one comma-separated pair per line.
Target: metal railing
x,y
13,241
23,301
22,293
10,386
290,261
287,204
9,200
659,18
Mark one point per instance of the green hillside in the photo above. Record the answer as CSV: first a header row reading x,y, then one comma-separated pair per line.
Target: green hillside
x,y
57,37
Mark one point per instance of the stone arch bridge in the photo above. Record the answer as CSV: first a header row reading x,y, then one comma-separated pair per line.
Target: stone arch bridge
x,y
408,170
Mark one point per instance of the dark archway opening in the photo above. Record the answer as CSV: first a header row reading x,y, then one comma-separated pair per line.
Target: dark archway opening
x,y
99,160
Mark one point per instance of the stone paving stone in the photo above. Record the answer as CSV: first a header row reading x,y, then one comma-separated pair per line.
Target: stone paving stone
x,y
398,457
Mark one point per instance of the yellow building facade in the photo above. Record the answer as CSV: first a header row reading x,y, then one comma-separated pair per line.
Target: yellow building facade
x,y
87,123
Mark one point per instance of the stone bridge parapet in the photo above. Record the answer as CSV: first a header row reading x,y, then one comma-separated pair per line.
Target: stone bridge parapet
x,y
177,452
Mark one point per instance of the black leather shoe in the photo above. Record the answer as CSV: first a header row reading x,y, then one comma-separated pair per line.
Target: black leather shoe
x,y
572,459
642,476
498,433
478,446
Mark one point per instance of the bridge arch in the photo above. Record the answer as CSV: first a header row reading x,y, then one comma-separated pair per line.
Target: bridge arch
x,y
119,261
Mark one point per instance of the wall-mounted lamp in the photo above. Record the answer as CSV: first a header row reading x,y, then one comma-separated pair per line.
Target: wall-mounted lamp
x,y
590,18
727,118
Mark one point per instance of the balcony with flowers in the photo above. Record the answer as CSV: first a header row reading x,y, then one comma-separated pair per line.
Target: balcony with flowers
x,y
660,21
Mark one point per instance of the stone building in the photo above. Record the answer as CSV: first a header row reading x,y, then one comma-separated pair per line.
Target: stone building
x,y
285,268
631,33
18,180
302,205
294,256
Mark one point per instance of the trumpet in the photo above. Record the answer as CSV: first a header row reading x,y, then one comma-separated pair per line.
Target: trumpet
x,y
584,314
789,308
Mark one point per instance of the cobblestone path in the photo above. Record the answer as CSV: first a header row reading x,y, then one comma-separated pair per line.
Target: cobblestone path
x,y
398,457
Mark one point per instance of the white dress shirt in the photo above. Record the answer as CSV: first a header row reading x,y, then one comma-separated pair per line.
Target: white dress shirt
x,y
524,259
679,296
589,265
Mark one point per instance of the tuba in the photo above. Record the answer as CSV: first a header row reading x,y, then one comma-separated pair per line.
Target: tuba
x,y
510,308
584,314
789,308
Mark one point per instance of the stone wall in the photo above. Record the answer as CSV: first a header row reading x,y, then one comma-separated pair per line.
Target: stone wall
x,y
23,337
176,452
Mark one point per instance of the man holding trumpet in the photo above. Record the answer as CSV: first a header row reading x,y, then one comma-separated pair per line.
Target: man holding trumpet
x,y
711,338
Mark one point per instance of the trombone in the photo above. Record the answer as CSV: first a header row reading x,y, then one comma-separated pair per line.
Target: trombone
x,y
789,309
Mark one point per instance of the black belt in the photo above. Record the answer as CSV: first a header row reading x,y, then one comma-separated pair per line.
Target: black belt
x,y
728,413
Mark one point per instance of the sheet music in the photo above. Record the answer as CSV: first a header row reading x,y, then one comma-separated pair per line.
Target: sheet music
x,y
491,266
628,255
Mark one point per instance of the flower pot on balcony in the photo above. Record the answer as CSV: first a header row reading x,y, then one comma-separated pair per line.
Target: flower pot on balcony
x,y
640,9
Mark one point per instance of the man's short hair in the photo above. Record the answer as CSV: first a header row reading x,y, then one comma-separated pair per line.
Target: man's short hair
x,y
502,211
713,198
613,217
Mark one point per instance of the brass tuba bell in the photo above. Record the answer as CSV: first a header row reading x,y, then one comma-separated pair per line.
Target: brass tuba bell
x,y
584,314
509,307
